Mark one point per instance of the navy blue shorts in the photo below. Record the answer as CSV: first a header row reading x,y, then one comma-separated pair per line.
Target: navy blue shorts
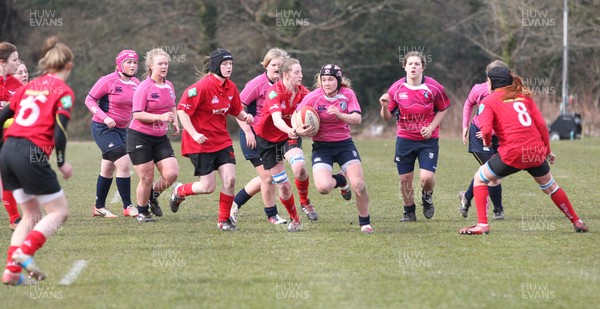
x,y
407,152
112,142
476,145
334,152
206,163
251,155
25,165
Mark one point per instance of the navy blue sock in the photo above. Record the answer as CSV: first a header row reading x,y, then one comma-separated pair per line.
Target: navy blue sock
x,y
124,187
143,209
241,198
271,211
340,181
496,197
364,220
102,188
410,208
469,192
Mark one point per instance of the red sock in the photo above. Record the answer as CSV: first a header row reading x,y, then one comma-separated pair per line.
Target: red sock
x,y
302,186
225,202
33,242
481,195
10,265
290,205
186,190
561,201
11,205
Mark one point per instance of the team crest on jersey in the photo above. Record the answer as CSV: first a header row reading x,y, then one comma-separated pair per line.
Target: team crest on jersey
x,y
403,96
230,97
272,94
343,105
172,94
426,94
67,101
215,100
481,108
192,92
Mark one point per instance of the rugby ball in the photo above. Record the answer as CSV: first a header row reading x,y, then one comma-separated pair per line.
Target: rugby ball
x,y
307,116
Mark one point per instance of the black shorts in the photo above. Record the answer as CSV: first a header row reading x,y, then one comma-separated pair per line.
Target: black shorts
x,y
251,155
110,141
273,153
24,165
143,148
476,144
501,169
206,163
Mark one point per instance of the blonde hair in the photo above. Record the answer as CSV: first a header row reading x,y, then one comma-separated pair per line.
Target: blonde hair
x,y
288,63
56,56
274,53
413,54
151,56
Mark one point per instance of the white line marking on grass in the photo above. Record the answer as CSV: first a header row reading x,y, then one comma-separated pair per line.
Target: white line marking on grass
x,y
70,277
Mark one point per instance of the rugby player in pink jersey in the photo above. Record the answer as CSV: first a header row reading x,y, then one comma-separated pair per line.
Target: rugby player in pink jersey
x,y
42,110
9,63
147,141
253,97
111,100
419,104
278,140
524,144
338,108
481,154
203,111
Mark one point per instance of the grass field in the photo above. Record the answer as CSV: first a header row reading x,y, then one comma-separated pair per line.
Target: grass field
x,y
533,259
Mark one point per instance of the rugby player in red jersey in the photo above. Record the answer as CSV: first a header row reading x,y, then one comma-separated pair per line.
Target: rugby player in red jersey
x,y
41,110
524,144
277,140
203,111
419,104
9,83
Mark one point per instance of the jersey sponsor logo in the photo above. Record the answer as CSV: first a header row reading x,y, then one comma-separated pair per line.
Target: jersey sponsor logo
x,y
118,89
272,94
215,100
35,93
67,101
221,111
192,92
154,95
185,105
403,96
343,105
321,108
274,106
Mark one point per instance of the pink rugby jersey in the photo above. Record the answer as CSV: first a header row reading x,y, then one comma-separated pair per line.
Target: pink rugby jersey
x,y
112,97
154,99
477,94
254,94
332,129
417,106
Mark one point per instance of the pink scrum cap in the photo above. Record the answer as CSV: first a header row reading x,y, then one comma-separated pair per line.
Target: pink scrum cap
x,y
125,55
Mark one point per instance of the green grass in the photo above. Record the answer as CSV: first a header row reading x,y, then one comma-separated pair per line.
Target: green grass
x,y
532,259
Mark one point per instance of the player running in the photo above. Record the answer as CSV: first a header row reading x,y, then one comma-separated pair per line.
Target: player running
x,y
277,140
524,145
337,106
42,109
481,154
253,96
111,100
419,104
203,111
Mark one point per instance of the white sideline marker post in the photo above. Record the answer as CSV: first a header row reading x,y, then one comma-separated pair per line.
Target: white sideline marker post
x,y
72,275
